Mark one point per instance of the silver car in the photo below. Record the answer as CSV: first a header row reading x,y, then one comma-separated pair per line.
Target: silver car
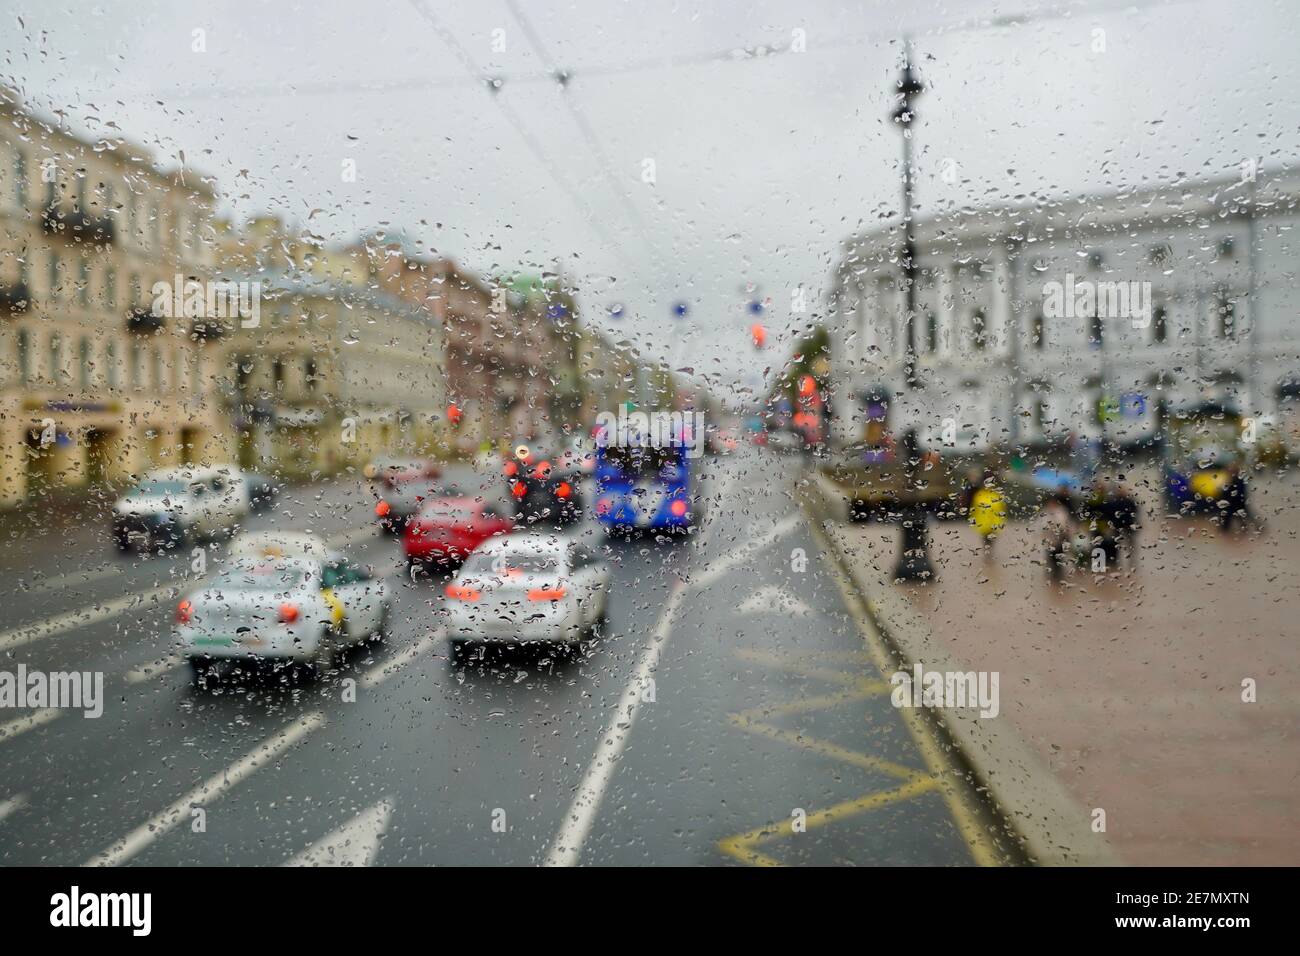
x,y
528,588
285,610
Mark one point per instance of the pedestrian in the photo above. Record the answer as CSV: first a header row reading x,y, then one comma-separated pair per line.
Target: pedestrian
x,y
1056,526
988,510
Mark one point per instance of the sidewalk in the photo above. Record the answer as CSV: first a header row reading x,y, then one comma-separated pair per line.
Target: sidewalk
x,y
1126,691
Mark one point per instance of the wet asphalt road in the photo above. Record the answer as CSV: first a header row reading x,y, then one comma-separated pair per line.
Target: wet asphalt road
x,y
731,715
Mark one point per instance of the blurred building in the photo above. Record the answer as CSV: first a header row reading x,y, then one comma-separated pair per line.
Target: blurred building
x,y
1169,295
338,370
608,373
95,383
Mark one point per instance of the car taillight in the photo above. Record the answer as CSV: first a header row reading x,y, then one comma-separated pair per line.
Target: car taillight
x,y
542,471
519,489
184,612
383,508
546,594
602,506
459,592
678,507
288,613
564,490
511,469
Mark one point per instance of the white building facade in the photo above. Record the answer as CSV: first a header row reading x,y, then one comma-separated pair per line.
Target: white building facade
x,y
1089,317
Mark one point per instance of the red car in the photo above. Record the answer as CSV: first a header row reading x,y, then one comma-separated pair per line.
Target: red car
x,y
446,530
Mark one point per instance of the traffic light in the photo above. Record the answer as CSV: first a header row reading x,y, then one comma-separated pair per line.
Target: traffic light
x,y
759,335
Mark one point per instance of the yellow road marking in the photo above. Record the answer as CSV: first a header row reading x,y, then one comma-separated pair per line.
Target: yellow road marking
x,y
781,662
825,748
744,846
981,846
866,688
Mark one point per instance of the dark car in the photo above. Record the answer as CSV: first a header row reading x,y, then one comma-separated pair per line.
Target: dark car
x,y
262,491
545,488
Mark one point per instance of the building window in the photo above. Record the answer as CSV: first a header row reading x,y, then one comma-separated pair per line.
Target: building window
x,y
931,333
83,282
20,178
56,358
156,369
1161,255
1160,324
133,366
110,287
110,362
83,364
979,331
309,370
1227,246
56,276
24,346
277,374
1226,312
1038,333
1096,261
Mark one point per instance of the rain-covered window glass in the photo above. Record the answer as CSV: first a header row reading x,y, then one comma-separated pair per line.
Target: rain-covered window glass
x,y
688,434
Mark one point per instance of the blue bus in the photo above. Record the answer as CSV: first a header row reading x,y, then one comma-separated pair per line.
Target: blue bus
x,y
644,484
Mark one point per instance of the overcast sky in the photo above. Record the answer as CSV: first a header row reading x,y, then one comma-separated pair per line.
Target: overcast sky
x,y
763,163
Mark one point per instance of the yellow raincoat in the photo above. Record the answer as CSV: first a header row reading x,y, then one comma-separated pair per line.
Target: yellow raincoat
x,y
988,511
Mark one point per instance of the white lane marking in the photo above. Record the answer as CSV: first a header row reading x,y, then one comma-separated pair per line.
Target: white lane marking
x,y
567,846
720,567
771,599
209,791
356,843
153,669
20,725
10,806
71,620
69,580
381,672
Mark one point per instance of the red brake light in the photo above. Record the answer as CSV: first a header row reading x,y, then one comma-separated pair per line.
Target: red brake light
x,y
288,613
460,593
511,469
382,508
546,594
564,490
519,489
184,611
678,507
542,471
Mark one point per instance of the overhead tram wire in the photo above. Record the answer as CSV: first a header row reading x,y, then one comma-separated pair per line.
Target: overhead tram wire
x,y
748,54
562,78
493,86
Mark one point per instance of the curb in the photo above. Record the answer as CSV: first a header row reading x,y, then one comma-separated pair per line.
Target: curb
x,y
1052,827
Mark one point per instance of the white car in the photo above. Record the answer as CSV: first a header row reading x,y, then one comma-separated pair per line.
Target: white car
x,y
282,609
173,505
525,588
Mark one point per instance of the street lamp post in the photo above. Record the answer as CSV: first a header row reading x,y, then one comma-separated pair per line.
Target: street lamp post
x,y
907,88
